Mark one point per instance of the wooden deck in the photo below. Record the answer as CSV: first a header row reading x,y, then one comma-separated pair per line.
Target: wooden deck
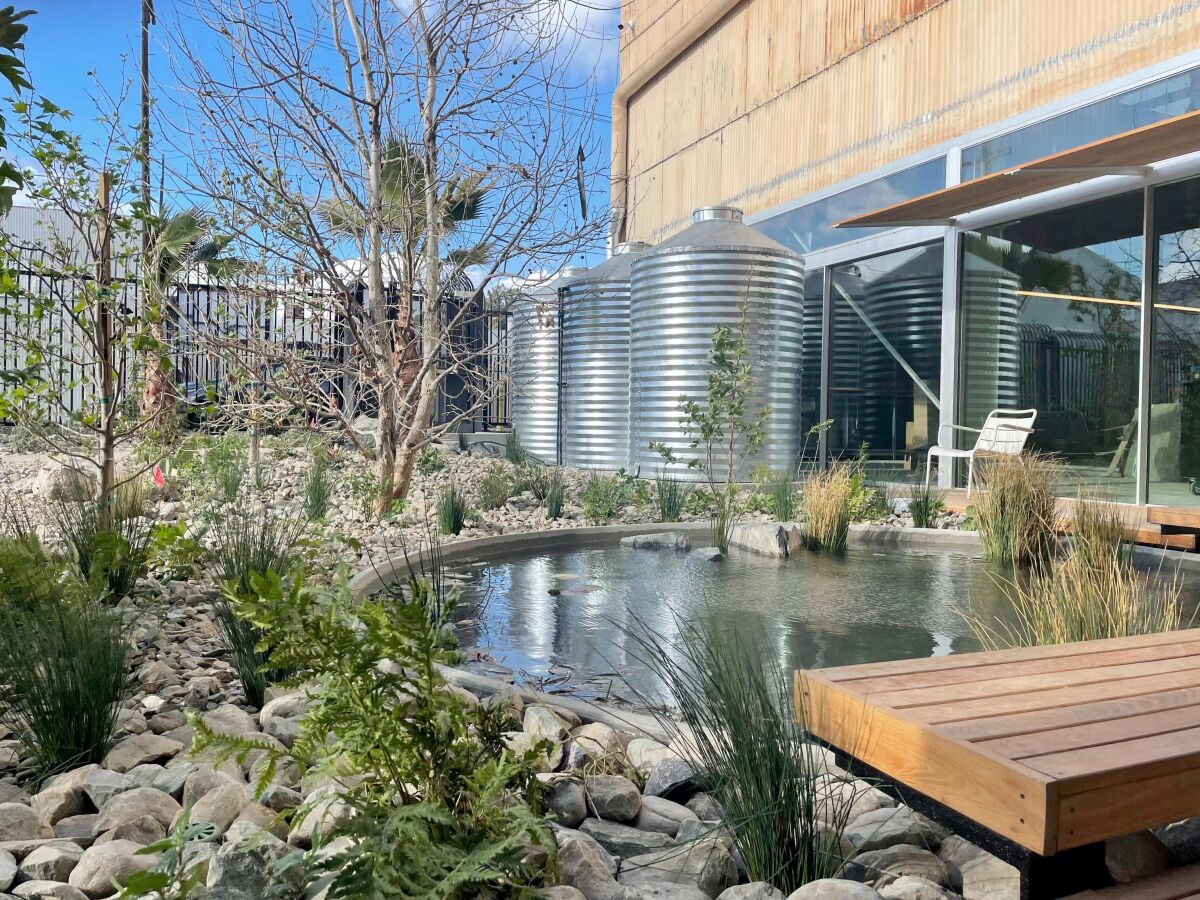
x,y
1052,748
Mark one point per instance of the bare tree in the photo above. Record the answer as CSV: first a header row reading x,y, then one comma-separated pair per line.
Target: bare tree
x,y
339,141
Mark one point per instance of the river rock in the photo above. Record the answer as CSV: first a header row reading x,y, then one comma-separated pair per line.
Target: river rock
x,y
585,865
201,782
834,889
139,802
668,891
143,830
765,539
886,827
103,865
704,864
561,892
230,720
755,890
8,870
102,785
643,753
662,815
52,862
58,802
142,748
20,823
623,841
706,807
1135,857
881,867
663,540
613,797
77,829
48,890
909,887
220,806
565,798
707,554
248,870
672,779
58,482
543,722
977,874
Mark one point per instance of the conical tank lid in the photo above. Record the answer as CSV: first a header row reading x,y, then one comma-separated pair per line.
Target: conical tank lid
x,y
558,280
719,228
619,266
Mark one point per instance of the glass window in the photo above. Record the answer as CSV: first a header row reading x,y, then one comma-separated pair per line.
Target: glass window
x,y
810,227
1175,371
1145,105
1050,320
885,359
810,363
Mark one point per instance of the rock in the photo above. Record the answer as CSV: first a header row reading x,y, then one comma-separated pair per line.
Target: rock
x,y
521,743
132,804
566,799
53,862
669,891
561,892
977,874
248,870
20,823
613,797
755,890
881,867
58,802
542,722
230,720
765,539
707,554
706,808
621,840
326,809
834,889
909,887
663,540
1135,856
103,865
286,731
662,815
260,817
642,753
201,782
886,827
292,705
143,830
280,798
842,802
73,778
220,806
585,865
142,748
703,864
1182,840
174,778
102,785
8,870
672,779
56,482
76,829
146,774
596,741
48,890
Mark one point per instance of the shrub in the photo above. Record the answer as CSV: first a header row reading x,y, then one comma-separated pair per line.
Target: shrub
x,y
556,495
604,497
724,516
925,504
1015,509
31,576
318,490
781,493
672,494
513,451
733,708
226,462
451,510
111,545
494,489
175,553
828,498
64,664
448,811
429,460
364,487
1084,597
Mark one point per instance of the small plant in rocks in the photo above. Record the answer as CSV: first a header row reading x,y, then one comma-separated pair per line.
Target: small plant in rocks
x,y
429,460
828,498
603,498
556,495
925,504
494,489
448,810
318,489
451,510
513,451
109,544
672,494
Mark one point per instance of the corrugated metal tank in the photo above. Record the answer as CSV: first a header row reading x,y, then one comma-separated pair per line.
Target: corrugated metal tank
x,y
595,363
682,291
992,342
535,375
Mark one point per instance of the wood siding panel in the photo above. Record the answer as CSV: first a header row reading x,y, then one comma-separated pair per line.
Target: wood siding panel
x,y
805,94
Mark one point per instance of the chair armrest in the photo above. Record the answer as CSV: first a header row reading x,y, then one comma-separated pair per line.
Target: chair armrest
x,y
1007,427
956,428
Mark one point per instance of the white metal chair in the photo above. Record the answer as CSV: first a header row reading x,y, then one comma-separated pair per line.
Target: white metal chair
x,y
1004,431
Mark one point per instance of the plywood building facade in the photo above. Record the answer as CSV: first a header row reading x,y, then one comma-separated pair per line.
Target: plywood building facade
x,y
1081,301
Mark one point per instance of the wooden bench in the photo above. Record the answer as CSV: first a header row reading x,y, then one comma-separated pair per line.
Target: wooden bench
x,y
1053,749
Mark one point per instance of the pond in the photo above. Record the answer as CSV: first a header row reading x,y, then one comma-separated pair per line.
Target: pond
x,y
561,620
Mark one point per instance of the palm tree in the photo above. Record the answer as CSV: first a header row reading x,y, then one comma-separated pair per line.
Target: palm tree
x,y
177,242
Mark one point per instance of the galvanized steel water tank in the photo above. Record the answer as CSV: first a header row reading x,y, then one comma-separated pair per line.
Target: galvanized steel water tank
x,y
595,363
534,338
682,291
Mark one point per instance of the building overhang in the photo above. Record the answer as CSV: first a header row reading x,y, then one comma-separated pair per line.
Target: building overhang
x,y
1130,153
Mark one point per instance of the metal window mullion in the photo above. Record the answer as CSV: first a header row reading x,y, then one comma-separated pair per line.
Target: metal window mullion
x,y
951,339
826,362
1146,349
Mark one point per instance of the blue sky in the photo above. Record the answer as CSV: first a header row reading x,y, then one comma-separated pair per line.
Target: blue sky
x,y
73,45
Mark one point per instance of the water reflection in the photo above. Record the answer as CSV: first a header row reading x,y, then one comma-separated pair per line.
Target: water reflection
x,y
575,609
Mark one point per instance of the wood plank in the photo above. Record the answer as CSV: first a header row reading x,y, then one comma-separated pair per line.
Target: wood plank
x,y
995,706
843,674
1176,884
1161,539
1077,737
1099,763
1128,807
1044,720
1179,516
870,687
1004,796
1030,684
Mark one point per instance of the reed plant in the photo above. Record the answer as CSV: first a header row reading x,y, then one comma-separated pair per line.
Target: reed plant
x,y
732,711
672,494
226,461
1098,530
556,495
318,490
494,488
513,451
925,504
110,545
451,509
1015,509
827,498
781,492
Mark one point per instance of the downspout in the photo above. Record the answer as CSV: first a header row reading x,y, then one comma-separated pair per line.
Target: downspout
x,y
674,47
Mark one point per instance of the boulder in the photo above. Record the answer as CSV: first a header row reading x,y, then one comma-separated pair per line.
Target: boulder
x,y
834,889
141,748
542,722
842,801
57,482
202,781
880,868
58,802
886,827
662,815
103,865
1135,857
326,809
623,841
707,554
521,743
910,887
977,874
220,806
230,720
662,540
765,539
673,779
585,865
20,823
143,830
706,808
597,741
53,862
755,890
77,829
642,753
565,798
248,869
102,785
1182,840
613,797
48,890
136,803
669,891
8,870
561,892
703,864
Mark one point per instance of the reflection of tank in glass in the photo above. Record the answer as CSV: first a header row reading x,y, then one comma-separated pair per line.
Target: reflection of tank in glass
x,y
992,340
846,363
